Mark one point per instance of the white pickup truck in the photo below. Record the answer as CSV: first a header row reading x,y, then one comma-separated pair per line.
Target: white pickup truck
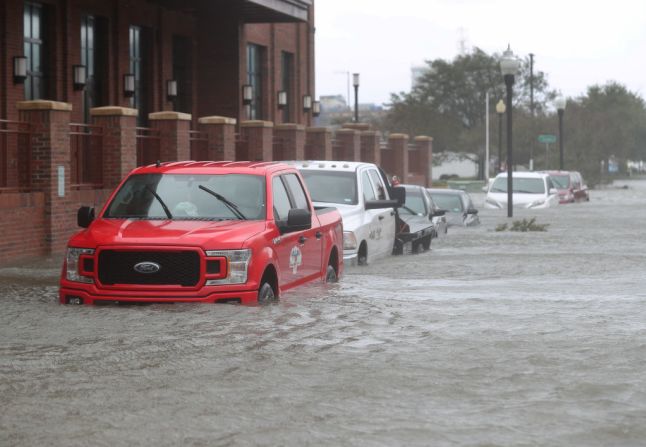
x,y
366,200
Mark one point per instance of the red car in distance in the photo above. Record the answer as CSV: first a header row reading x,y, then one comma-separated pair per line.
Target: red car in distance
x,y
570,186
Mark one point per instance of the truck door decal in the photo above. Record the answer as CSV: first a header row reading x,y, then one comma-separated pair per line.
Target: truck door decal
x,y
295,259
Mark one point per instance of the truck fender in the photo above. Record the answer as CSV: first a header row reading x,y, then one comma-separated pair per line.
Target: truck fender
x,y
264,258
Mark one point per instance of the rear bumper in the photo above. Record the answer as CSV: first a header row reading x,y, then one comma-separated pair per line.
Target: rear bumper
x,y
244,297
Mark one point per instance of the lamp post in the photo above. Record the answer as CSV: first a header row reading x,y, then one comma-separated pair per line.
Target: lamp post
x,y
355,83
560,107
500,110
509,65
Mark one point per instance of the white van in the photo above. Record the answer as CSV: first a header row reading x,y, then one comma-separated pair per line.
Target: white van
x,y
360,192
531,190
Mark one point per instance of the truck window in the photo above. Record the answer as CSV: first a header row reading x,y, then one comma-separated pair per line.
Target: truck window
x,y
295,187
379,185
368,192
281,199
331,187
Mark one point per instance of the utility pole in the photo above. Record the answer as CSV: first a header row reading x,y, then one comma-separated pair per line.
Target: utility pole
x,y
531,110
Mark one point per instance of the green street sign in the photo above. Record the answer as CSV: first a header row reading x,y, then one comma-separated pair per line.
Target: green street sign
x,y
547,139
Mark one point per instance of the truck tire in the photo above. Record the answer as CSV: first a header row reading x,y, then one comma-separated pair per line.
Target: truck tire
x,y
330,274
266,294
426,242
363,254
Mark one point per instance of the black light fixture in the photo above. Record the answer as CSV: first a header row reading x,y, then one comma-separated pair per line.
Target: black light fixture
x,y
247,94
80,76
129,85
316,108
307,103
19,69
282,99
355,83
509,66
171,89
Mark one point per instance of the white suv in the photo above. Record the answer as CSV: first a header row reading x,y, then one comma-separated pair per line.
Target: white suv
x,y
360,192
531,190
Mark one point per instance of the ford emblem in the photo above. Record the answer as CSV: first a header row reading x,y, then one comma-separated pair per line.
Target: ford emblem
x,y
147,267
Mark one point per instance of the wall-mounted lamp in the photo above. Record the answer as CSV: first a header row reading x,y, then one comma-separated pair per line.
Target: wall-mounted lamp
x,y
171,89
282,99
80,76
19,69
129,85
316,108
307,103
247,94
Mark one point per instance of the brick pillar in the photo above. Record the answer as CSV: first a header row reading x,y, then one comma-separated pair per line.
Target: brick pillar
x,y
292,139
220,135
174,137
259,138
398,143
424,146
50,127
349,144
318,144
362,127
119,142
370,147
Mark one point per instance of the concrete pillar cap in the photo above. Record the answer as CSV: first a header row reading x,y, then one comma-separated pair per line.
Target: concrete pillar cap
x,y
217,120
347,132
369,133
113,111
318,130
423,138
44,105
398,136
170,116
289,126
256,123
356,126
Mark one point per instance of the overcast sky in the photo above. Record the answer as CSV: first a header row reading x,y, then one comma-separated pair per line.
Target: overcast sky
x,y
577,43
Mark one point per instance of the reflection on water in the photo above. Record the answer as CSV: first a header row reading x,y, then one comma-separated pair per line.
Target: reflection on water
x,y
489,339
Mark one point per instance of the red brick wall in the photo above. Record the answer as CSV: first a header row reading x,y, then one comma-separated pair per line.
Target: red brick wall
x,y
22,226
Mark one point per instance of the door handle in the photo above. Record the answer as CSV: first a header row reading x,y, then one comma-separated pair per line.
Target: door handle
x,y
302,239
381,217
319,235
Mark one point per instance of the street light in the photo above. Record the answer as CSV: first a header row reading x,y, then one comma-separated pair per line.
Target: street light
x,y
500,110
355,82
560,107
509,66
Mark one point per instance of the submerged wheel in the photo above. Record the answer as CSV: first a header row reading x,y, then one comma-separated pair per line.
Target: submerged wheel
x,y
330,274
363,255
426,242
266,294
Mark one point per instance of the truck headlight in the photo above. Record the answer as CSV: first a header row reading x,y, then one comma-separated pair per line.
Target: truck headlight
x,y
73,271
237,266
349,240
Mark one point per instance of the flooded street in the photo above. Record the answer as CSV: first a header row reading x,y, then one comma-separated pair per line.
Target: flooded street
x,y
491,338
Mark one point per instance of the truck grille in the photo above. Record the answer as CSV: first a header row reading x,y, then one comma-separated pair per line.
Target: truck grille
x,y
175,268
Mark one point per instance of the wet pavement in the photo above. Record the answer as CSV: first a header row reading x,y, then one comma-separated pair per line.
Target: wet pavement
x,y
491,338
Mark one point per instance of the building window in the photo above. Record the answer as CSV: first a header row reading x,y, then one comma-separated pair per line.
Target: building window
x,y
183,73
255,78
139,66
287,72
34,48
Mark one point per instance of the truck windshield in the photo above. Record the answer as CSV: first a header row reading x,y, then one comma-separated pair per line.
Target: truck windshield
x,y
190,197
331,187
520,185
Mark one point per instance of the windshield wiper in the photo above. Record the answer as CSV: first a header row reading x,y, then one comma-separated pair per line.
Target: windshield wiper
x,y
166,210
232,206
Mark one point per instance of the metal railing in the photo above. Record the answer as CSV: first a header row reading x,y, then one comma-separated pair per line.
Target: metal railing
x,y
199,146
15,155
86,155
148,146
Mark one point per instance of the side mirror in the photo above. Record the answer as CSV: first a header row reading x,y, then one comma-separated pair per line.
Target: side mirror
x,y
472,211
85,216
553,191
438,213
398,193
297,220
380,204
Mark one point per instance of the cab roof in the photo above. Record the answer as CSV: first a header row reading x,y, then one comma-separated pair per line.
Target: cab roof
x,y
524,174
347,166
212,167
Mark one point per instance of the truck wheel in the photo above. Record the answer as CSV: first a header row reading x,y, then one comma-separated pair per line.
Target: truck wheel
x,y
330,274
426,242
266,294
363,254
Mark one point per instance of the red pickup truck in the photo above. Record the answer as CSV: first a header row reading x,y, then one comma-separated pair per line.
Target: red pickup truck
x,y
218,232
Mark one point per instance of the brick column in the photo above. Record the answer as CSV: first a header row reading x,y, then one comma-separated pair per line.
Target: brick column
x,y
425,148
292,139
318,144
259,139
50,170
220,135
398,143
119,142
370,147
349,143
175,141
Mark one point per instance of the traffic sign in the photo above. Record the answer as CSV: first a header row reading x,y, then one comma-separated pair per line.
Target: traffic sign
x,y
547,139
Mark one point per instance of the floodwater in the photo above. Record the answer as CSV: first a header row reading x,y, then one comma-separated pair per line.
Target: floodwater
x,y
491,338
